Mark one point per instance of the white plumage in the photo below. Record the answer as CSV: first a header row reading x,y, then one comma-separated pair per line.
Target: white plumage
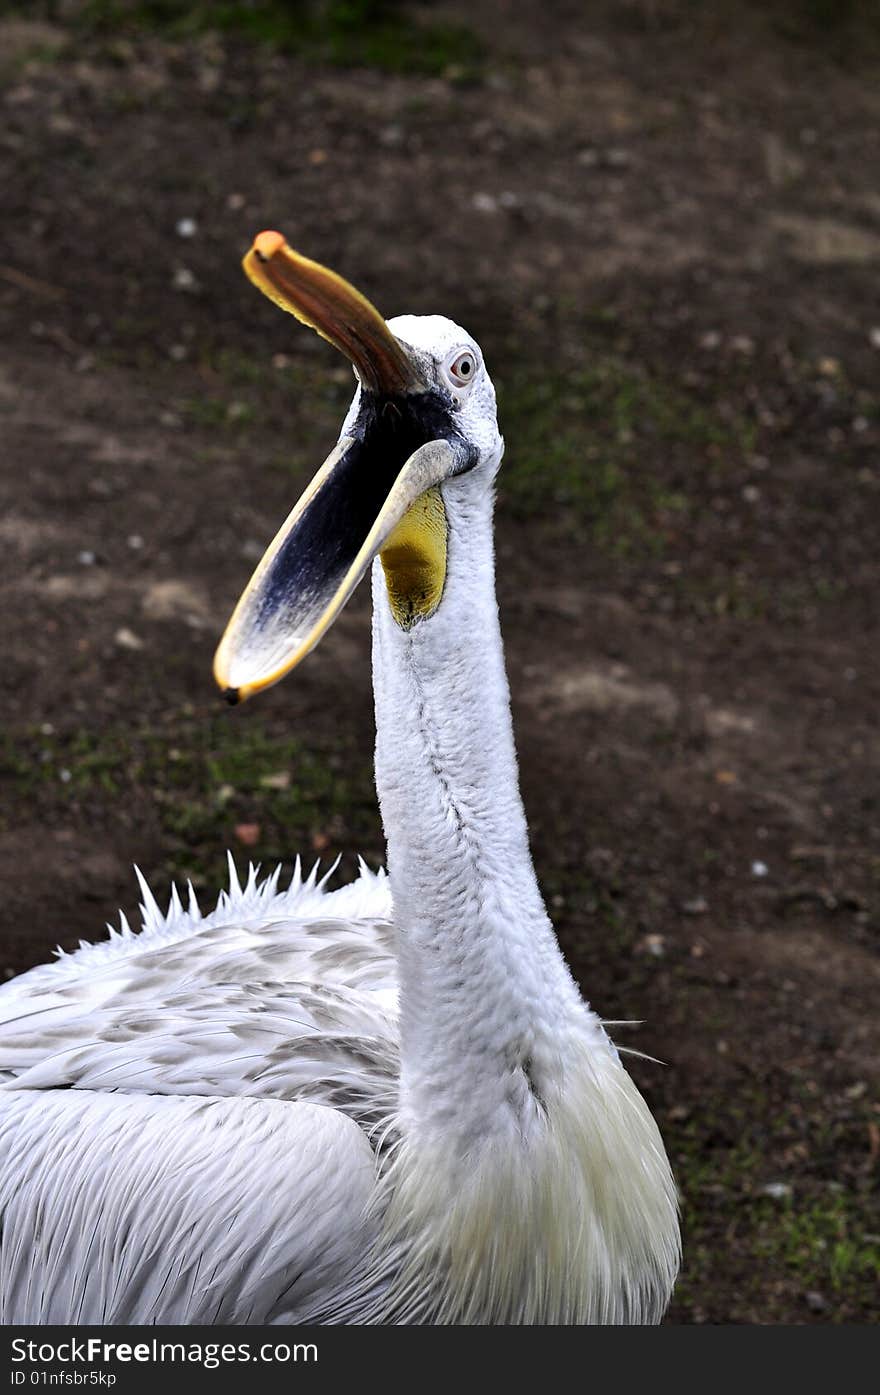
x,y
164,1110
384,1103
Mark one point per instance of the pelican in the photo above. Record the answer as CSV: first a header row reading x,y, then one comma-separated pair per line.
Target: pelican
x,y
383,1104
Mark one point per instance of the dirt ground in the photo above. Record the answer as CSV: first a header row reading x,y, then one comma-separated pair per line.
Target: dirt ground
x,y
665,233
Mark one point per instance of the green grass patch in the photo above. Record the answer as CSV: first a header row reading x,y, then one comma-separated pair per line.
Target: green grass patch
x,y
217,412
608,450
820,1237
204,777
31,49
246,394
349,33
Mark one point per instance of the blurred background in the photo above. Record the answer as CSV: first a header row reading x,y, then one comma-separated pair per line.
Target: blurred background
x,y
661,220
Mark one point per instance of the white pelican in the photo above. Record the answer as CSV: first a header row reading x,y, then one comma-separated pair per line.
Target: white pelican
x,y
387,1103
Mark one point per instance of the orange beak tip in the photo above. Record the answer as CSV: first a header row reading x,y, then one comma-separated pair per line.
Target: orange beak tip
x,y
266,244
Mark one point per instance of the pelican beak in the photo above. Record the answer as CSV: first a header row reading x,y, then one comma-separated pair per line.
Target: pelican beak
x,y
377,492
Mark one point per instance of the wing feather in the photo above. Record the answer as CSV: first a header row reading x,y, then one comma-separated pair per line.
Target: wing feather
x,y
250,1001
145,1209
186,1113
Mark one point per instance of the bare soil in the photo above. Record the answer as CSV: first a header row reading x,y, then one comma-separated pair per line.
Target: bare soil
x,y
666,236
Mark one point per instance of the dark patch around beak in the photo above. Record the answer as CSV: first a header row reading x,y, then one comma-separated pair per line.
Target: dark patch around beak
x,y
329,534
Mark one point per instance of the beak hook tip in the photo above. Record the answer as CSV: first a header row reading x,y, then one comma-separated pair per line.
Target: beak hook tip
x,y
266,244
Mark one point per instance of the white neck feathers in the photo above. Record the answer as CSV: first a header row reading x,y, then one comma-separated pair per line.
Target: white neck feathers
x,y
530,1183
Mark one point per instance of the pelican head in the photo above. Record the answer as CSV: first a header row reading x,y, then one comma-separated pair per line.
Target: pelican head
x,y
422,420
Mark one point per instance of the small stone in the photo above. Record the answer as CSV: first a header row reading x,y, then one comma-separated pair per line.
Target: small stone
x,y
127,639
816,1302
184,279
247,833
778,1191
175,599
751,493
874,337
498,82
251,550
829,367
235,202
760,869
186,227
64,776
86,558
135,542
280,780
21,95
652,945
177,352
710,340
698,905
485,203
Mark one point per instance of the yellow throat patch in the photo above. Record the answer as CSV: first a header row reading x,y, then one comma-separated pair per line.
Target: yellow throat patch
x,y
414,560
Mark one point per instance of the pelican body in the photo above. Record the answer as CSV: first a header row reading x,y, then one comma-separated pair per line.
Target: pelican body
x,y
383,1104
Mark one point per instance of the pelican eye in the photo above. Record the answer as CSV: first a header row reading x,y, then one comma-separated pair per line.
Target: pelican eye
x,y
462,368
